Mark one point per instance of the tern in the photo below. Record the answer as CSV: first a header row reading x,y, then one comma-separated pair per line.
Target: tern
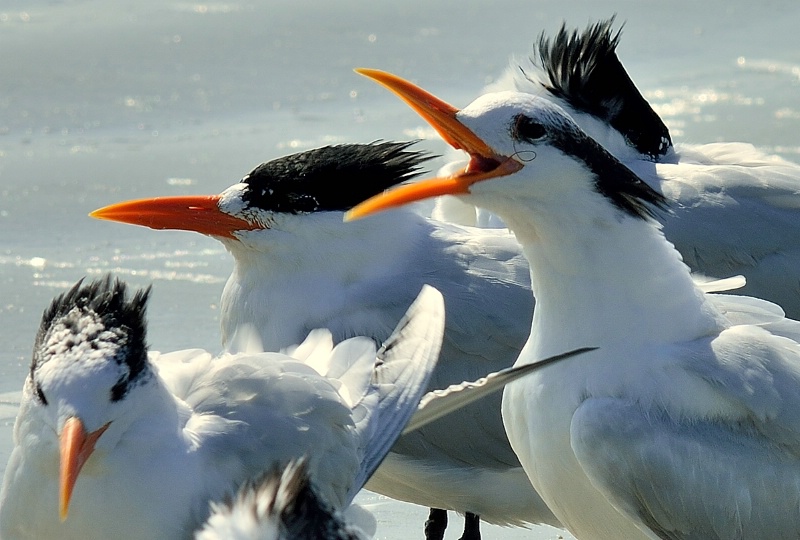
x,y
283,225
683,423
735,210
113,442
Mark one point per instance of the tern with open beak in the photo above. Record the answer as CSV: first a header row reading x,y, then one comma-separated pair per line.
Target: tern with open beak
x,y
735,210
683,423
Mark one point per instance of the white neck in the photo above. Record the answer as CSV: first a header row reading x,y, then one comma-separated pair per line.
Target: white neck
x,y
287,282
607,280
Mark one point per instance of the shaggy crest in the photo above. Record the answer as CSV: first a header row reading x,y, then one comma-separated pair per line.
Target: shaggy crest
x,y
584,70
331,178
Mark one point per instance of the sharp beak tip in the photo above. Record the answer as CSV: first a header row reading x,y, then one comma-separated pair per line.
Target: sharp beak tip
x,y
351,216
112,212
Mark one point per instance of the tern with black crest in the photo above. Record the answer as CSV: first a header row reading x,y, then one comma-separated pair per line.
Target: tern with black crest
x,y
683,423
283,225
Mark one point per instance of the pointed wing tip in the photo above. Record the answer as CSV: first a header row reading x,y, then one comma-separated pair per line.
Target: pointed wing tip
x,y
439,403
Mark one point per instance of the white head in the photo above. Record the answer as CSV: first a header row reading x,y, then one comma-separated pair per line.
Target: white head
x,y
280,196
526,155
89,365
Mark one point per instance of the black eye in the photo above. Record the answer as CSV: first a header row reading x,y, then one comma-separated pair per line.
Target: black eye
x,y
527,129
40,394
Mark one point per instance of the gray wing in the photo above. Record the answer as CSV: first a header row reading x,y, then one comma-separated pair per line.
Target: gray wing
x,y
485,281
253,411
729,471
688,480
486,285
404,365
736,210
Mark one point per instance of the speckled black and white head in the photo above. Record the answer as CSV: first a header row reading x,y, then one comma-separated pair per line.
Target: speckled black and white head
x,y
281,505
328,179
93,325
522,148
582,72
89,358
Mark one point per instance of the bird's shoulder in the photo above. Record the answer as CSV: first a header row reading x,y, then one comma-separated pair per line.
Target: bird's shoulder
x,y
253,394
687,479
756,368
236,382
730,171
662,457
745,376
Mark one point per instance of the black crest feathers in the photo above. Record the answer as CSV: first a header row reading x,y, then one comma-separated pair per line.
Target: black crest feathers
x,y
584,70
331,178
106,299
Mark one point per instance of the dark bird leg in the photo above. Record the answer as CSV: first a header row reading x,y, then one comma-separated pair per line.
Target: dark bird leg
x,y
436,524
472,527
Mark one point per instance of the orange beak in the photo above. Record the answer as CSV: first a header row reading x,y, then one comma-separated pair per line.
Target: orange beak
x,y
76,447
484,163
198,213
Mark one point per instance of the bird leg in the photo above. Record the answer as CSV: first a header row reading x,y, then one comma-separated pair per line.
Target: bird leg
x,y
436,524
472,527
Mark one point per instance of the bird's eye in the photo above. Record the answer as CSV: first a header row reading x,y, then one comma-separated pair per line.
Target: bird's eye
x,y
40,394
527,129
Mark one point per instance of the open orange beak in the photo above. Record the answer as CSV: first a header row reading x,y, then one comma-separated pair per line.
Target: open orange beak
x,y
76,447
484,162
198,213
